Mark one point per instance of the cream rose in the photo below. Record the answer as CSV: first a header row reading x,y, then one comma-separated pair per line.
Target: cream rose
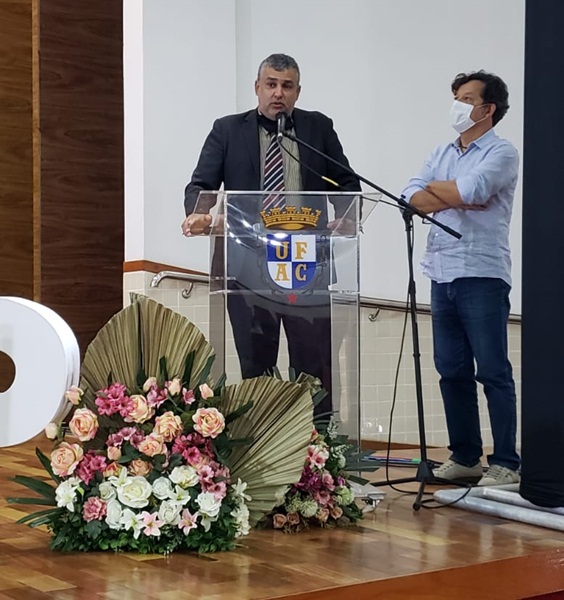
x,y
168,425
184,476
209,422
114,453
140,467
135,492
206,391
84,424
152,445
74,395
141,411
174,386
65,458
112,470
52,431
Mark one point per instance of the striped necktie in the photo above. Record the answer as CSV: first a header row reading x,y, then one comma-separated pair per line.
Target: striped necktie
x,y
273,175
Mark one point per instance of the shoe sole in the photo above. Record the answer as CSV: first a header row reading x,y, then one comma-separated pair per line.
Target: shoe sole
x,y
459,480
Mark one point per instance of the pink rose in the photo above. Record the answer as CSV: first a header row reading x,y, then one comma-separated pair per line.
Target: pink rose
x,y
139,411
140,467
94,509
209,422
206,391
279,520
322,515
74,395
336,512
293,519
168,426
84,424
152,445
65,458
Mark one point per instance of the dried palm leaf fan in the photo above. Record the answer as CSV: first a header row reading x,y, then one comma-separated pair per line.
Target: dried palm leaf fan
x,y
281,419
136,338
280,424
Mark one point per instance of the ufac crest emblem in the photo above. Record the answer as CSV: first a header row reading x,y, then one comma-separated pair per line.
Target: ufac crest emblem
x,y
291,259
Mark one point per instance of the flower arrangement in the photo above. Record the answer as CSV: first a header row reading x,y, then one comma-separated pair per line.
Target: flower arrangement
x,y
323,495
147,471
164,463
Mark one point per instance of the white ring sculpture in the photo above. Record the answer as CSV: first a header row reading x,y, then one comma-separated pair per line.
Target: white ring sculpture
x,y
47,359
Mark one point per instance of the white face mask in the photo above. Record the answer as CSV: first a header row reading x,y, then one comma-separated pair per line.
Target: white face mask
x,y
460,116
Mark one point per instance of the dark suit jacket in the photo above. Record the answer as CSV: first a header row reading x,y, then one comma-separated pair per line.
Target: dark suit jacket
x,y
231,156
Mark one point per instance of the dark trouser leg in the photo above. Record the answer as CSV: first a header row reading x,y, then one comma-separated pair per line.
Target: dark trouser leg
x,y
309,347
455,363
483,306
256,331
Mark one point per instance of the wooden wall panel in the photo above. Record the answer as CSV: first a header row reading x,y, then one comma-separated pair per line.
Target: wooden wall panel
x,y
16,149
82,200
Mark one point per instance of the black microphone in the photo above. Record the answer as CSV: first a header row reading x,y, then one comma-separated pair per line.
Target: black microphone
x,y
281,126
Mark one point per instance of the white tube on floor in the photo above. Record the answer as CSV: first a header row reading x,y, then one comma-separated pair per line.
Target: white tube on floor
x,y
476,501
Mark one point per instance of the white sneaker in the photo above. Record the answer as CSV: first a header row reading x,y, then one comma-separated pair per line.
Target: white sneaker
x,y
498,475
452,471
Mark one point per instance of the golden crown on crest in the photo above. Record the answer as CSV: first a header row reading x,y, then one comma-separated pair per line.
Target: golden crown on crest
x,y
290,217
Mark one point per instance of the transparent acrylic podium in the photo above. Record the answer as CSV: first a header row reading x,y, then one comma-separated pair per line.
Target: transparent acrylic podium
x,y
293,268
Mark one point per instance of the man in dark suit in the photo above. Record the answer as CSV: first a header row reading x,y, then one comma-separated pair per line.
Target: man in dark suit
x,y
233,155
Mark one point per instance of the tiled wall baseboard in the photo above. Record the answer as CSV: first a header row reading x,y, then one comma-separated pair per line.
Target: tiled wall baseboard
x,y
380,343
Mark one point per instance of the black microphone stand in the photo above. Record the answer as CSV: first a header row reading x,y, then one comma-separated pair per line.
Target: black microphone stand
x,y
424,473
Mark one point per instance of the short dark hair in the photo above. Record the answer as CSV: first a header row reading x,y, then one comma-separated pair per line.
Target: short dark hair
x,y
495,91
279,62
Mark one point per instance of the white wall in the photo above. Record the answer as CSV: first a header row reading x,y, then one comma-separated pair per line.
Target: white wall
x,y
380,68
188,62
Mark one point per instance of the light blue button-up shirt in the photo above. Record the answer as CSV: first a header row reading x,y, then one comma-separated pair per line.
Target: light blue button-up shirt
x,y
485,174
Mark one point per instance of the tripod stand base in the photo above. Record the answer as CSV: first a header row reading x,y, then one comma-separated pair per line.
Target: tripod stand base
x,y
424,476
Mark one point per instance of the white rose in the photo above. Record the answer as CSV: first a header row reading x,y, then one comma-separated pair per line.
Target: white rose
x,y
65,493
169,512
184,476
162,488
209,505
135,492
107,491
113,514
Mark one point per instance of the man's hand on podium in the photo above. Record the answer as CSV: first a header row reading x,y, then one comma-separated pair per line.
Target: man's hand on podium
x,y
342,226
196,224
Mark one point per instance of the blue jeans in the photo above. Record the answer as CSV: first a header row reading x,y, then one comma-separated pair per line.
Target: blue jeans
x,y
470,345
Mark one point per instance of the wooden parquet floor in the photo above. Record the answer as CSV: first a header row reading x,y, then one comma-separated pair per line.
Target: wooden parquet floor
x,y
396,554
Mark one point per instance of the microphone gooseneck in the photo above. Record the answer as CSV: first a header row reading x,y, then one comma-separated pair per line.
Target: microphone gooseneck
x,y
280,126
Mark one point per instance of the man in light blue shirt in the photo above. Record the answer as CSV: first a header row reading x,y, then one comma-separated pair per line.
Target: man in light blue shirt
x,y
469,186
